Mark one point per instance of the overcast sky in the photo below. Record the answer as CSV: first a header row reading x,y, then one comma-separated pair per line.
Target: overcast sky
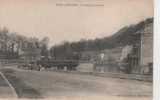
x,y
58,21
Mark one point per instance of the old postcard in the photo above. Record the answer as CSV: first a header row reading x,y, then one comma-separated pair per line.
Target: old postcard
x,y
76,49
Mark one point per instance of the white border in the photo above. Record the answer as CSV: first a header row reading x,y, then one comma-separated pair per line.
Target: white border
x,y
156,85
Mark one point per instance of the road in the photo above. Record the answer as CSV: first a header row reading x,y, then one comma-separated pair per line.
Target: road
x,y
5,90
35,84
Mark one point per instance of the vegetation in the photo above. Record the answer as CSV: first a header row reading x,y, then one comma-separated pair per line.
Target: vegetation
x,y
121,38
13,44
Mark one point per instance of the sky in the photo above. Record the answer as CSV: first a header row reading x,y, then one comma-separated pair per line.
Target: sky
x,y
71,20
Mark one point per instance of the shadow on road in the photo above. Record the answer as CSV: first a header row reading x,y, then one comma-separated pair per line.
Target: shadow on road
x,y
22,89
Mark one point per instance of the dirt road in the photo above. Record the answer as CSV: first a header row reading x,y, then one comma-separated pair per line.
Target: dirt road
x,y
35,84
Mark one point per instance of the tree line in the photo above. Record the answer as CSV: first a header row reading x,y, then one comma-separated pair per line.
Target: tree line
x,y
124,36
13,43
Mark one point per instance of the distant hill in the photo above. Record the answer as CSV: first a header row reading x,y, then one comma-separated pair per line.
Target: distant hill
x,y
125,35
121,38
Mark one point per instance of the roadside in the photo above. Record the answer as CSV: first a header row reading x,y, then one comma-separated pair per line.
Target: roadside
x,y
139,77
147,78
6,90
22,90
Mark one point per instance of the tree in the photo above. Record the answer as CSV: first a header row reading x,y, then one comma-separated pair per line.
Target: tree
x,y
44,46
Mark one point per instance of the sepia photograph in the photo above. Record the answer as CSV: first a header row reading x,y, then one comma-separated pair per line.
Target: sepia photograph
x,y
76,49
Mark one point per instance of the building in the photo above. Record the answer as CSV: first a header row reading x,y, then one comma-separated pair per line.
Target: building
x,y
108,60
140,59
145,49
135,58
29,55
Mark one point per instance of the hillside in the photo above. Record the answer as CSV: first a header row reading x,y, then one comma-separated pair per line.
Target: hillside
x,y
121,38
125,35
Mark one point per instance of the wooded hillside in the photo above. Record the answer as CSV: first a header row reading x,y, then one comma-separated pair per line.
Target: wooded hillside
x,y
121,38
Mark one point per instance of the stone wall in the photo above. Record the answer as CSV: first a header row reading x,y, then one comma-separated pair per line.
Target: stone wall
x,y
147,45
147,49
